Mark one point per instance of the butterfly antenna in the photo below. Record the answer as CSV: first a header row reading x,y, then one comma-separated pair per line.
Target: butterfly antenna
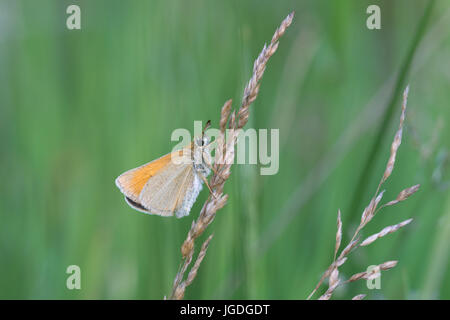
x,y
207,125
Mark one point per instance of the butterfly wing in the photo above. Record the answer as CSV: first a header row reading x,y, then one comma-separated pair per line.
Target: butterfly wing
x,y
133,181
164,193
158,187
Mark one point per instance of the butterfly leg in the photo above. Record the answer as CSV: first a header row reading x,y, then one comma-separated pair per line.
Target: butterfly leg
x,y
207,184
210,166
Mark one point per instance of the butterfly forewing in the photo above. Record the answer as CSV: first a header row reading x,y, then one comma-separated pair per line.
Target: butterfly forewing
x,y
158,187
133,181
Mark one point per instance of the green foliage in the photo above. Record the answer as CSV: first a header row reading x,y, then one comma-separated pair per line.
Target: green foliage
x,y
79,107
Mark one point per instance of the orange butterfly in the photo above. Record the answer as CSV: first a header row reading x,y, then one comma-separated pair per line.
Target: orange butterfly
x,y
169,184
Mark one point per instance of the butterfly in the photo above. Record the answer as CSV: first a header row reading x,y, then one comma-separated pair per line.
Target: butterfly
x,y
170,184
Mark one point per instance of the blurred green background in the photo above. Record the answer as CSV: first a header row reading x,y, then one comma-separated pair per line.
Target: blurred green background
x,y
79,107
